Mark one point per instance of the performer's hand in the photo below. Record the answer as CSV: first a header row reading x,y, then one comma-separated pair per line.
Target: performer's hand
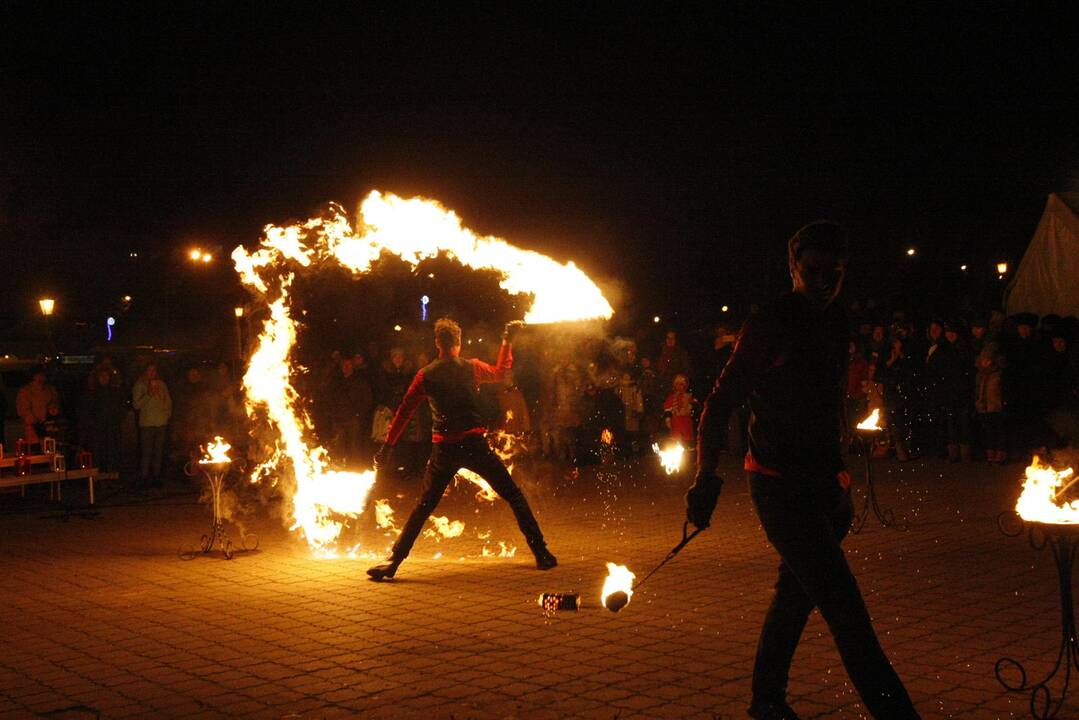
x,y
511,330
702,497
382,456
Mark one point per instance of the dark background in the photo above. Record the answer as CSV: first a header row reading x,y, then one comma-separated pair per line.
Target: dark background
x,y
671,150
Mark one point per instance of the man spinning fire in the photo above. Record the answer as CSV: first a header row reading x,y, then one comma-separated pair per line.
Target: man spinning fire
x,y
451,385
790,363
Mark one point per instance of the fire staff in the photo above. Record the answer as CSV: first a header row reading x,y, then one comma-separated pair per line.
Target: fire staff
x,y
790,364
451,385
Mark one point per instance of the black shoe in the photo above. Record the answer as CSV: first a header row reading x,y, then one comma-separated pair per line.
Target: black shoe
x,y
545,560
771,710
385,571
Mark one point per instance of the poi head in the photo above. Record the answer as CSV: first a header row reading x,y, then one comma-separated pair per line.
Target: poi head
x,y
616,601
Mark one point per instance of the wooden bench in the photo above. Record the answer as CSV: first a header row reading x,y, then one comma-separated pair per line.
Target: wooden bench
x,y
55,479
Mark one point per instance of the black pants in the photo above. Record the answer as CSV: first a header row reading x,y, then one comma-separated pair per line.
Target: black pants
x,y
806,519
476,455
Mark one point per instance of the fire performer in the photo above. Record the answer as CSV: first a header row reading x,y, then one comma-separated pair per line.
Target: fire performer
x,y
451,386
790,363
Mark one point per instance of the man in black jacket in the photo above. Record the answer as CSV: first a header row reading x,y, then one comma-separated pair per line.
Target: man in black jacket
x,y
451,385
790,363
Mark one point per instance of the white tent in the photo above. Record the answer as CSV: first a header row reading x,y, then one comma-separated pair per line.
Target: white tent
x,y
1047,281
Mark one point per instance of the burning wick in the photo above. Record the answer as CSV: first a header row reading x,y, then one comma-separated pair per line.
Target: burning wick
x,y
872,422
216,452
671,457
617,587
1042,491
606,437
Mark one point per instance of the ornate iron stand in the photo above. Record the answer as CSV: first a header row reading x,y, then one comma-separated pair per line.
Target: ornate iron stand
x,y
216,473
885,517
1063,541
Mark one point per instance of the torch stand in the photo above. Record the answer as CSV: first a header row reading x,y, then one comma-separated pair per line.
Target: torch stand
x,y
885,517
1062,540
215,474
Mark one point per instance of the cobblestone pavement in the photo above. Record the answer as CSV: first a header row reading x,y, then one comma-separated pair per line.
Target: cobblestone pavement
x,y
102,616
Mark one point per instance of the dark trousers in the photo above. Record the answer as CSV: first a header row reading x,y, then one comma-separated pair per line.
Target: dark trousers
x,y
152,441
476,455
806,519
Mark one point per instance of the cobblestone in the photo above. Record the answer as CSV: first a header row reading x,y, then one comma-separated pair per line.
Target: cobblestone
x,y
103,614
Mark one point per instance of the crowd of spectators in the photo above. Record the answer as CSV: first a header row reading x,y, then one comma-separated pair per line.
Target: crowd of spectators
x,y
991,388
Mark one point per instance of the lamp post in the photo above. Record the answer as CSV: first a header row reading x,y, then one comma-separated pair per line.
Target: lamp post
x,y
48,305
239,313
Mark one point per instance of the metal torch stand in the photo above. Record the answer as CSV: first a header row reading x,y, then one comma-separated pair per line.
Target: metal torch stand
x,y
885,517
1061,539
215,474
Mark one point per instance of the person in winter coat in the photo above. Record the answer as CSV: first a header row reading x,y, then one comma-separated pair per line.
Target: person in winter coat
x,y
679,407
100,418
38,404
989,403
150,397
632,410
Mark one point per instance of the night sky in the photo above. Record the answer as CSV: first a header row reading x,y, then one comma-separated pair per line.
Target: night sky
x,y
673,151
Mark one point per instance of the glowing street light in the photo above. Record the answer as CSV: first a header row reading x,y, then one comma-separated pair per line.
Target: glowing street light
x,y
724,309
397,328
239,312
207,257
911,252
47,306
1002,268
963,268
656,319
195,254
126,298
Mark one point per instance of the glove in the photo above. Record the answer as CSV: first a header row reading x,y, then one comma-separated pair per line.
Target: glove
x,y
382,456
511,330
702,497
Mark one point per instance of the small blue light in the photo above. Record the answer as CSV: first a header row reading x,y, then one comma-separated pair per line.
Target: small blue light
x,y
423,307
108,327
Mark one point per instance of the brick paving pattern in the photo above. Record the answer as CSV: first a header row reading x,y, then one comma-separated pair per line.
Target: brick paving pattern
x,y
101,617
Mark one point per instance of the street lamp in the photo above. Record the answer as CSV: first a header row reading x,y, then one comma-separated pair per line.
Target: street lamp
x,y
1002,268
911,252
48,305
239,313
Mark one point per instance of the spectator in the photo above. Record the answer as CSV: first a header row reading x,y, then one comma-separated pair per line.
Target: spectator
x,y
1023,381
857,377
673,360
352,406
151,399
567,410
679,407
192,417
38,406
989,403
100,418
632,410
958,392
649,385
896,376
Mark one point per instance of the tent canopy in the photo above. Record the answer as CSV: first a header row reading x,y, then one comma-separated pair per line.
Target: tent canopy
x,y
1047,281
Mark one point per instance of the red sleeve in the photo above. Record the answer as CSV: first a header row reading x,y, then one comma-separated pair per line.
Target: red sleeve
x,y
494,373
415,395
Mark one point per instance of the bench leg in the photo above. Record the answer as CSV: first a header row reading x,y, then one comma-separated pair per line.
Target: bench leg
x,y
91,479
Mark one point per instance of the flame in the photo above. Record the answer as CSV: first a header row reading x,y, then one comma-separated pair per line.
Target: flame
x,y
504,550
872,421
414,230
485,492
606,437
216,452
619,578
444,528
1042,488
384,516
670,457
